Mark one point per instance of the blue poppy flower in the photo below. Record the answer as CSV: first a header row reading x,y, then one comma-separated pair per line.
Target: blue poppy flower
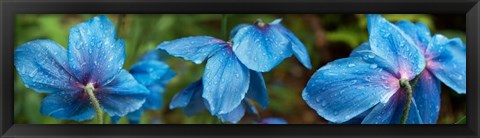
x,y
369,79
262,46
273,120
154,74
93,61
192,102
446,62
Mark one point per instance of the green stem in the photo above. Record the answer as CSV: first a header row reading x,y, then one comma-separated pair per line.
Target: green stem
x,y
462,120
89,89
404,83
224,26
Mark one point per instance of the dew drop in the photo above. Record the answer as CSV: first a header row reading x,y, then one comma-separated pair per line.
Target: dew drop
x,y
373,66
351,65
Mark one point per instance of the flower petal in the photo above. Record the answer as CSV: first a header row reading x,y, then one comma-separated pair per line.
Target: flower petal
x,y
68,105
261,49
383,112
94,55
182,98
358,51
345,88
419,33
196,48
298,48
390,42
235,29
42,65
150,71
135,117
257,89
413,116
427,95
122,95
447,61
235,115
225,82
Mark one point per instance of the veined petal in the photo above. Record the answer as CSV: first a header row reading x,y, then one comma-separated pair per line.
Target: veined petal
x,y
347,87
447,61
42,65
122,95
154,100
68,105
190,99
234,116
257,89
196,48
413,116
427,95
225,82
419,33
261,48
182,98
360,49
390,42
298,48
94,55
235,29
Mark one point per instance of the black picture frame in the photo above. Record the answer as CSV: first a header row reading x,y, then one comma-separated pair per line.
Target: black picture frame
x,y
9,8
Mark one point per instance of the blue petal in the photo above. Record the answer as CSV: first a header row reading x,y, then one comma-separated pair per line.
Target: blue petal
x,y
392,111
190,98
362,48
122,95
359,118
383,112
261,49
68,105
298,48
257,89
413,116
234,116
135,117
225,82
419,33
235,29
150,71
427,95
154,100
391,43
182,98
196,48
94,55
42,65
273,121
447,61
345,88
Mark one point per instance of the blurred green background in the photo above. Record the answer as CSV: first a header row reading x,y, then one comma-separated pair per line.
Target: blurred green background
x,y
326,36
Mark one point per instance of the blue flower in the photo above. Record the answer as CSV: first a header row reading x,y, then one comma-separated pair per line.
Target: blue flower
x,y
446,62
262,46
93,61
273,120
154,74
369,78
192,102
226,78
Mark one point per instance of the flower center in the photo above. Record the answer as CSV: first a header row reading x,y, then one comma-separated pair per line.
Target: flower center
x,y
89,87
